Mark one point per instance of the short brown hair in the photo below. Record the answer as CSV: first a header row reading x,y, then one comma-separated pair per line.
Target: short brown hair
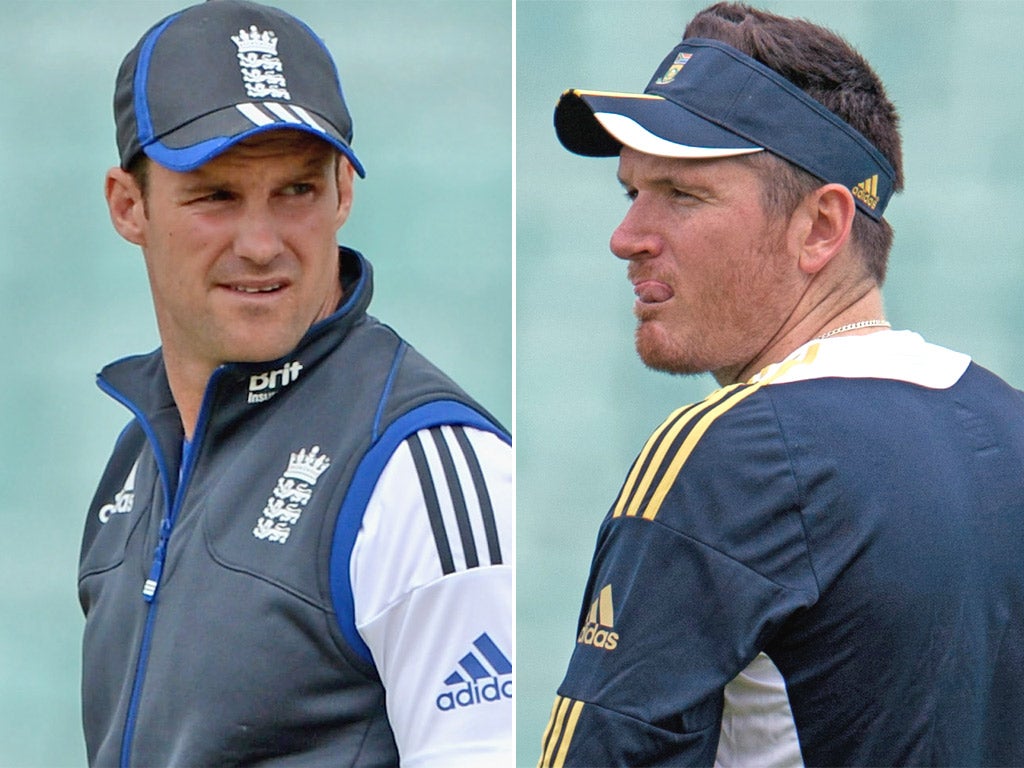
x,y
138,169
829,70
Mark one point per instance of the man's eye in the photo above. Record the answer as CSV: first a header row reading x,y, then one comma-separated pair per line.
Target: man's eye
x,y
630,194
298,189
682,195
217,196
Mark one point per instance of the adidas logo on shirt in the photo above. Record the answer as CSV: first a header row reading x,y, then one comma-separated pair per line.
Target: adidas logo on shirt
x,y
598,629
485,677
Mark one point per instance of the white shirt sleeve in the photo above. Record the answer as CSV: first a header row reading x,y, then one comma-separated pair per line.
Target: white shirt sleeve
x,y
434,596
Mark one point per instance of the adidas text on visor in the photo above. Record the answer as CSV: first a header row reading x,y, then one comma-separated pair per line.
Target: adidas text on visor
x,y
709,100
214,74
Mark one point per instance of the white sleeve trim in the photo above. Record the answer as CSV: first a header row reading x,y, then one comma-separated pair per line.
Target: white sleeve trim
x,y
433,593
398,536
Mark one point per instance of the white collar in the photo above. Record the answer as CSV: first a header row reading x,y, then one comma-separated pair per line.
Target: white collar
x,y
894,355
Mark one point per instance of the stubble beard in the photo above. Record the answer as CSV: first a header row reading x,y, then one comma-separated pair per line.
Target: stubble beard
x,y
722,337
690,355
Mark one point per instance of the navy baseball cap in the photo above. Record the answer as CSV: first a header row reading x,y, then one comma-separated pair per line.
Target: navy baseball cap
x,y
708,100
207,77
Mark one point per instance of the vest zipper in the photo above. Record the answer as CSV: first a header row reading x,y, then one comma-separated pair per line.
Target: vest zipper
x,y
149,588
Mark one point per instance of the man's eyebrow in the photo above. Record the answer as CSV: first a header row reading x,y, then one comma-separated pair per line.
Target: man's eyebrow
x,y
205,185
315,165
202,178
664,181
316,162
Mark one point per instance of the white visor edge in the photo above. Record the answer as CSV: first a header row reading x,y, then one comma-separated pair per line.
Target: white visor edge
x,y
627,131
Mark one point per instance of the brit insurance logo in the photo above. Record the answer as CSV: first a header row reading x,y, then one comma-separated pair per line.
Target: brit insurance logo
x,y
483,676
263,386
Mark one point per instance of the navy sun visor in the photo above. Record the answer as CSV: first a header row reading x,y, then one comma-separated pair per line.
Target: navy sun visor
x,y
709,100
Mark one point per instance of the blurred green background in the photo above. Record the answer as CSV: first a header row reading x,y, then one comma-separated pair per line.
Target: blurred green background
x,y
430,88
585,403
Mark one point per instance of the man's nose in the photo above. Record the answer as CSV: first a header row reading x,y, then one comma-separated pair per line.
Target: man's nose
x,y
635,237
257,237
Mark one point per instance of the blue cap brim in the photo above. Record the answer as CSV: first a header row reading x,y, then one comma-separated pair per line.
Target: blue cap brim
x,y
179,151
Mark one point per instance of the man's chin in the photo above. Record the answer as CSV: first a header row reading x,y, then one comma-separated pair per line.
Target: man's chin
x,y
262,352
661,357
659,353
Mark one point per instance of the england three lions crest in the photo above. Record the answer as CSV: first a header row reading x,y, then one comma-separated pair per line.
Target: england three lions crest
x,y
262,72
291,494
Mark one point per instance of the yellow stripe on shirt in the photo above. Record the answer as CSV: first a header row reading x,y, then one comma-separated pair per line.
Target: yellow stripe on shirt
x,y
663,437
559,732
766,378
570,728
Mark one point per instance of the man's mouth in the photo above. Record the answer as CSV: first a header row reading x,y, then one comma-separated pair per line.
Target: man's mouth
x,y
652,291
257,289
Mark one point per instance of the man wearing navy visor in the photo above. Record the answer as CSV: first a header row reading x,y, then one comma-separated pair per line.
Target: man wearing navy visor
x,y
300,550
820,563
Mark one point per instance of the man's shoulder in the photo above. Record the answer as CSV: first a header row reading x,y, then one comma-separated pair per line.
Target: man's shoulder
x,y
731,418
414,382
728,443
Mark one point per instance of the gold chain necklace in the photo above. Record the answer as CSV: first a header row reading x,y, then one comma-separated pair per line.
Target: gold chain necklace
x,y
856,326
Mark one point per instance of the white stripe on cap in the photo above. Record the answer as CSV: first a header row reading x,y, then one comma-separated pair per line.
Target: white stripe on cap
x,y
290,114
282,112
255,114
307,118
630,133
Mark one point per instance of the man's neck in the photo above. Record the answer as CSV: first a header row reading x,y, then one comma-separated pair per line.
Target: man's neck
x,y
848,309
188,382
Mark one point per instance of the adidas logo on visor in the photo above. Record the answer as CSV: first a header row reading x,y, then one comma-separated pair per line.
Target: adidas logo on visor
x,y
867,192
484,675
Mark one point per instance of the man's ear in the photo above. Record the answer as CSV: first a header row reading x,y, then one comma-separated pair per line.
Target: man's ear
x,y
345,189
126,205
821,226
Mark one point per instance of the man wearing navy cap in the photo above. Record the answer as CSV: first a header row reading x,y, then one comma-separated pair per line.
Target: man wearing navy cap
x,y
820,563
300,550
